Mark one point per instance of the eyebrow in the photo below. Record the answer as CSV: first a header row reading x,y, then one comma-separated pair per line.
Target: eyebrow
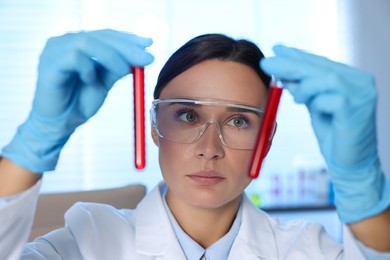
x,y
229,108
243,110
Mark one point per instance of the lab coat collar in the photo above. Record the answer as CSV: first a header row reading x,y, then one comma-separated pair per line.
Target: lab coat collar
x,y
153,236
256,237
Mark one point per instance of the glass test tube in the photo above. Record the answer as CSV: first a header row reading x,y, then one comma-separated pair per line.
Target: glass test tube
x,y
139,117
266,128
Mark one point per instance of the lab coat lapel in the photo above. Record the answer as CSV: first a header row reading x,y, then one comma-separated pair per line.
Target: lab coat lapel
x,y
154,233
255,240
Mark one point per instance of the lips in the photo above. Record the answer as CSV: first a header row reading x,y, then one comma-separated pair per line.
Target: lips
x,y
206,178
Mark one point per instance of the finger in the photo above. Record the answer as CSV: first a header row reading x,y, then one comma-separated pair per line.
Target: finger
x,y
324,96
304,81
131,47
301,56
103,51
57,69
108,34
106,77
288,69
304,56
327,103
296,68
69,45
310,87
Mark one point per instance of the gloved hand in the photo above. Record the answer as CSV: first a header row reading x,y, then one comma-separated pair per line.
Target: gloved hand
x,y
75,73
342,104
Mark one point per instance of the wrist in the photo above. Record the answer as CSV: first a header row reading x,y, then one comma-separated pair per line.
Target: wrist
x,y
362,194
15,179
34,149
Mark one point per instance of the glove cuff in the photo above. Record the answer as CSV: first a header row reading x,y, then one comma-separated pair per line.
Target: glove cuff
x,y
33,149
361,195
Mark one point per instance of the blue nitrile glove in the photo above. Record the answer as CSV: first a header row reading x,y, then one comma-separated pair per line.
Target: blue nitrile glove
x,y
342,104
75,73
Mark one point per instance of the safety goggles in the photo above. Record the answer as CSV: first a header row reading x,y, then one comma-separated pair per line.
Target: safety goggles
x,y
185,120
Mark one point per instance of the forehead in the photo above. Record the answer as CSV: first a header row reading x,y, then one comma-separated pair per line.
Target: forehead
x,y
220,80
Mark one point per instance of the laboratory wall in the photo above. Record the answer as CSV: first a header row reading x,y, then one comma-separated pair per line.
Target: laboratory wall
x,y
367,24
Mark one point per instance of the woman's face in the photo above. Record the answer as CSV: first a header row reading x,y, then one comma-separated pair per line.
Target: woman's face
x,y
207,173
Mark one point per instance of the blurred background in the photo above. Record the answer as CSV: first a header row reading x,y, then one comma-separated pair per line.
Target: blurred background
x,y
293,181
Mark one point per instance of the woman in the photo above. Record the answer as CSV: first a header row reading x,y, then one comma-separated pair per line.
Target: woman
x,y
205,117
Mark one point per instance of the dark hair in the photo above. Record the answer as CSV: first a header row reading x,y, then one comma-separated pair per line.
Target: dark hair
x,y
207,47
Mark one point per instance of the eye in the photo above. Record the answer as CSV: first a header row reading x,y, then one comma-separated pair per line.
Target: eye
x,y
238,122
187,115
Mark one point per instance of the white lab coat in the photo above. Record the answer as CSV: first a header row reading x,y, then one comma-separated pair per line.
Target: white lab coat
x,y
97,231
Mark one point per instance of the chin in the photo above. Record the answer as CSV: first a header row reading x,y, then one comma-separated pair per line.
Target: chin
x,y
208,201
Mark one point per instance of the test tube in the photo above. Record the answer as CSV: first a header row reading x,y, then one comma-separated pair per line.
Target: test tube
x,y
139,117
266,128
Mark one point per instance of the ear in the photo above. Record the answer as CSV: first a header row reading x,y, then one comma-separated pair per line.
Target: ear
x,y
271,138
154,136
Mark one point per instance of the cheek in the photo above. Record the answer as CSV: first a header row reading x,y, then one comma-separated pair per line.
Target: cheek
x,y
166,153
171,157
240,160
241,167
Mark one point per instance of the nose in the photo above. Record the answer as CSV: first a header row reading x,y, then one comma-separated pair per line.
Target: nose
x,y
209,145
